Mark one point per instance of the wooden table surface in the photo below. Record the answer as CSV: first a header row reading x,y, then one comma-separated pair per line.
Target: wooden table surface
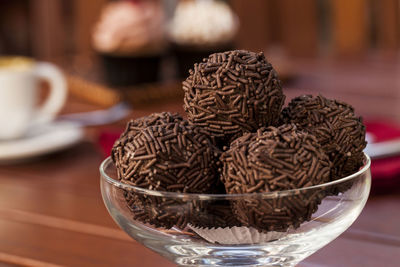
x,y
52,214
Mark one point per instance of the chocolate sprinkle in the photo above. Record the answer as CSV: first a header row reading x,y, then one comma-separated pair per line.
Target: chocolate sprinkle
x,y
274,160
231,93
339,131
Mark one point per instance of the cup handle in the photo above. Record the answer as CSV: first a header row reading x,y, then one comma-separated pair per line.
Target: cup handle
x,y
58,92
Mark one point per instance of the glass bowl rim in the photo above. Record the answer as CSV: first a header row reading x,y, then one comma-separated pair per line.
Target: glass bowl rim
x,y
199,196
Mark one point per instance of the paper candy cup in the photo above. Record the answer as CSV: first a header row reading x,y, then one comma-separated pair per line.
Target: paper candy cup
x,y
236,235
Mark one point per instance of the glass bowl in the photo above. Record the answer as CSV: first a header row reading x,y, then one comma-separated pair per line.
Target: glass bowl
x,y
236,230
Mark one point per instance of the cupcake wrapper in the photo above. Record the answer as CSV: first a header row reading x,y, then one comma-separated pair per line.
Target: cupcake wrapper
x,y
236,235
127,71
186,56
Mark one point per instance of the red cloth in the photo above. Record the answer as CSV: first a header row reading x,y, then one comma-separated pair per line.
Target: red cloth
x,y
106,140
383,130
385,172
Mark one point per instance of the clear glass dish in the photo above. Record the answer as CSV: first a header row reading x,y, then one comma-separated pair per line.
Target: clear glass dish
x,y
202,230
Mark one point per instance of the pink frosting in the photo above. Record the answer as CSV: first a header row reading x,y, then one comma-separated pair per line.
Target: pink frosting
x,y
129,27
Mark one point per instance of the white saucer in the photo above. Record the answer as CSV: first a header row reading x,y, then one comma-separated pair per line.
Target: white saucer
x,y
40,141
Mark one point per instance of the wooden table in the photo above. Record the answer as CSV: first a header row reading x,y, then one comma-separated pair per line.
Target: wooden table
x,y
52,214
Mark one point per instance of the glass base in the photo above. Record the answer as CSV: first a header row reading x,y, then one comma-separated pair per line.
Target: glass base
x,y
228,256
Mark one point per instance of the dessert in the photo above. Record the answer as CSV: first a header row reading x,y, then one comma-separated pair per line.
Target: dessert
x,y
273,160
203,23
173,156
339,131
199,28
130,39
233,100
231,93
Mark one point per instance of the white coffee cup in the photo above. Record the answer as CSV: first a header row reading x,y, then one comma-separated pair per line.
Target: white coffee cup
x,y
19,95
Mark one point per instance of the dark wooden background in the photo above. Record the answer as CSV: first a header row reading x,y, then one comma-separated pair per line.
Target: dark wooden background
x,y
51,212
54,29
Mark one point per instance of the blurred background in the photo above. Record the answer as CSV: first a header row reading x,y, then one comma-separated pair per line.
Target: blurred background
x,y
50,30
126,59
339,48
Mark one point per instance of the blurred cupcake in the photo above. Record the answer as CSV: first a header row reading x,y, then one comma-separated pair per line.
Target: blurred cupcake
x,y
199,28
130,39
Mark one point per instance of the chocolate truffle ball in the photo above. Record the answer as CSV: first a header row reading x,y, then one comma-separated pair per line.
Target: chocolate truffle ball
x,y
231,93
339,131
173,157
275,160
